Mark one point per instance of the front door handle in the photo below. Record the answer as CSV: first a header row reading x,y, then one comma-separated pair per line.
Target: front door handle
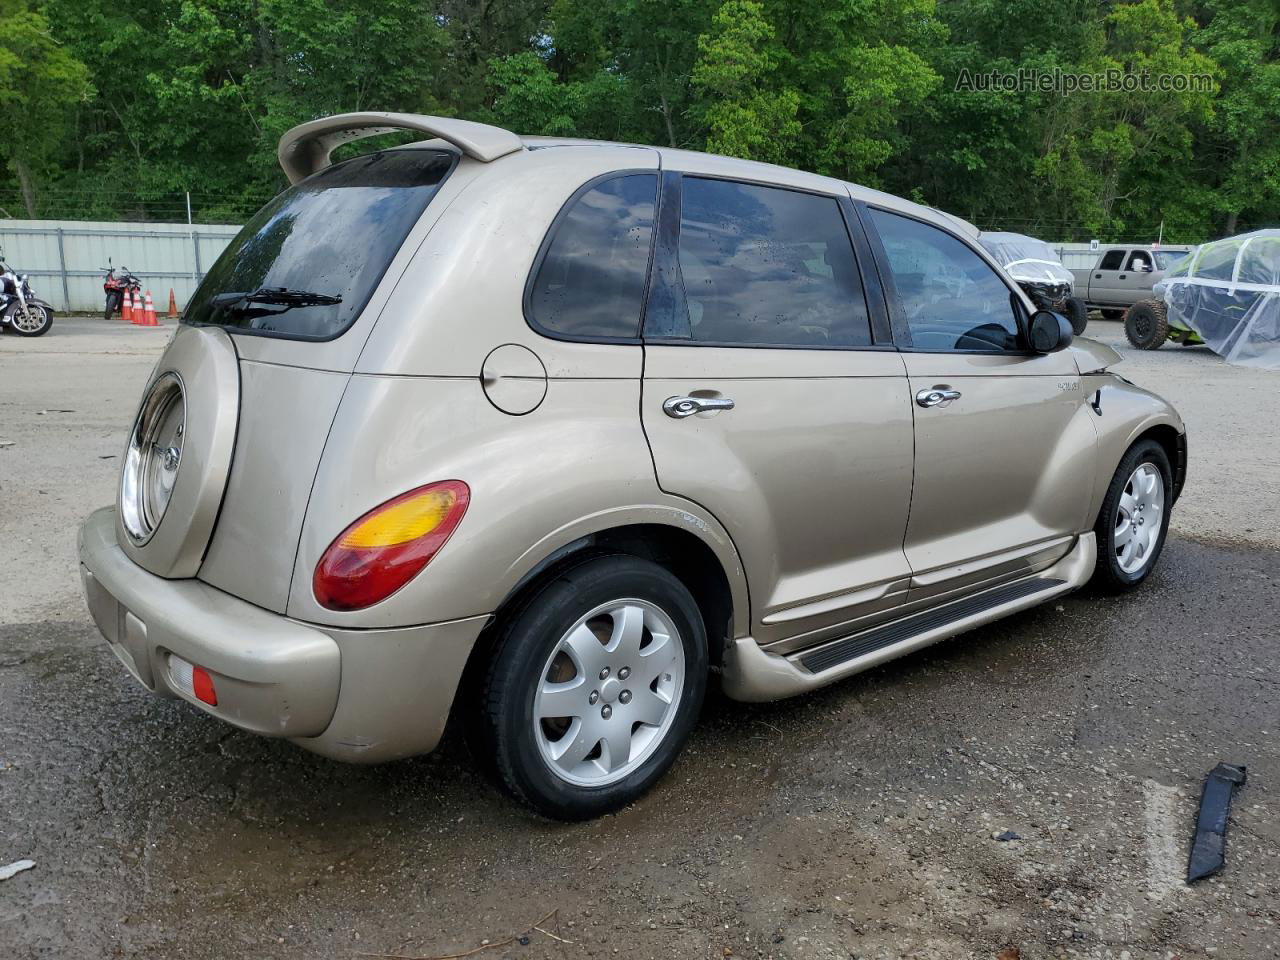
x,y
681,407
936,396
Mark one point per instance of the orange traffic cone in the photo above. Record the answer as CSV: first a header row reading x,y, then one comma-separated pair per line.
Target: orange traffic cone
x,y
149,313
173,305
127,312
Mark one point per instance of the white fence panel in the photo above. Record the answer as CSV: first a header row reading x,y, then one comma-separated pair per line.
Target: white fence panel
x,y
66,259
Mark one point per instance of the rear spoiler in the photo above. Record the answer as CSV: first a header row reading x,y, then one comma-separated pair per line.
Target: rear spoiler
x,y
305,149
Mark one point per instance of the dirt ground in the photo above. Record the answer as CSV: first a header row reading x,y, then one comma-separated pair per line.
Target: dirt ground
x,y
855,822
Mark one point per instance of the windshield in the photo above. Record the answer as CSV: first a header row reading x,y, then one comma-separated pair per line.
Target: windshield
x,y
307,263
1166,259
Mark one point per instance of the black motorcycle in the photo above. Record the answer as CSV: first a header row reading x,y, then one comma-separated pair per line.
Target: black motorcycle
x,y
20,309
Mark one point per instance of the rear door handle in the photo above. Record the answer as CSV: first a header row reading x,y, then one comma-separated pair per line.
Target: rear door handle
x,y
681,407
936,396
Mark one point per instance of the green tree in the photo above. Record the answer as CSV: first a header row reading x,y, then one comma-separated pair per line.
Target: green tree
x,y
745,114
41,84
1241,146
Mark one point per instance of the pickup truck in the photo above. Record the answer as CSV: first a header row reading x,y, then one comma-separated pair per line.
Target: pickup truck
x,y
1122,276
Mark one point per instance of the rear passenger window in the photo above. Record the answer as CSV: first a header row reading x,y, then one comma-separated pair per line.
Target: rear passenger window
x,y
1112,260
768,267
951,298
590,282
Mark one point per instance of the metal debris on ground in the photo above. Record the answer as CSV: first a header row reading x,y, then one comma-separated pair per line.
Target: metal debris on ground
x,y
16,867
1209,845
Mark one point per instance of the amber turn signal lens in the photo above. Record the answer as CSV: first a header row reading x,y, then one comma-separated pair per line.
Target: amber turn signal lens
x,y
389,546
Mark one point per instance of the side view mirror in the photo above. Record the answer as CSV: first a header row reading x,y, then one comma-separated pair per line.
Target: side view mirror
x,y
1050,332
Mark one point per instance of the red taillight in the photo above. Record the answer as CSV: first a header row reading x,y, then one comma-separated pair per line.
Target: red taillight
x,y
202,685
388,546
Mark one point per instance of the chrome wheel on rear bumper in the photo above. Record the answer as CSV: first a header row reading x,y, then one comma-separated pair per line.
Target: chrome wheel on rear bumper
x,y
609,692
1139,519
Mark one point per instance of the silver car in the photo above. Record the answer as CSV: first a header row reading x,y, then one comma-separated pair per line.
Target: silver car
x,y
541,436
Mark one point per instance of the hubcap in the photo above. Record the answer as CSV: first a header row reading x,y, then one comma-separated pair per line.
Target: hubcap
x,y
1139,518
609,692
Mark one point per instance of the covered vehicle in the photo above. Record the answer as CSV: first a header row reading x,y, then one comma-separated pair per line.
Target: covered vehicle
x,y
1225,294
1039,271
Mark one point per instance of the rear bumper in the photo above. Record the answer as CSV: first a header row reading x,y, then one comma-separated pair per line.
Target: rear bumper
x,y
357,695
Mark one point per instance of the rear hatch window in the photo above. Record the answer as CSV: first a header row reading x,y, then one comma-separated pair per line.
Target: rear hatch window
x,y
306,264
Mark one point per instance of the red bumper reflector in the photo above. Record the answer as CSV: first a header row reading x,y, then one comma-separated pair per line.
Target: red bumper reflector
x,y
202,684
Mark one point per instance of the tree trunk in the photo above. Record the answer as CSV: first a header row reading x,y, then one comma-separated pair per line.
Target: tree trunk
x,y
1232,217
28,187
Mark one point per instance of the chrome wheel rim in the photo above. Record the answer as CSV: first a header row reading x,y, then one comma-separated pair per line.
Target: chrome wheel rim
x,y
609,693
1139,519
30,319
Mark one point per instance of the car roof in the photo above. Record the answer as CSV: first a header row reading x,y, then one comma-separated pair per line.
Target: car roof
x,y
307,148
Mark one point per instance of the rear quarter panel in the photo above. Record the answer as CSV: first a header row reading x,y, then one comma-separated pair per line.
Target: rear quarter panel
x,y
578,464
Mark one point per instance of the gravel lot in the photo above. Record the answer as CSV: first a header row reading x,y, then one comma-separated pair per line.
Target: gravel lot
x,y
855,822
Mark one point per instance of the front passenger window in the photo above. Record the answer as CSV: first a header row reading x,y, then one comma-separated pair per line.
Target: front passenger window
x,y
951,298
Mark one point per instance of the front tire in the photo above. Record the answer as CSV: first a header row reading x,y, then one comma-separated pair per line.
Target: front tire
x,y
1146,324
112,307
594,686
36,322
1077,313
1134,519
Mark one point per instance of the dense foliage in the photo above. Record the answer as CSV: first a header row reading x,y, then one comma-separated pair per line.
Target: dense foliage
x,y
116,110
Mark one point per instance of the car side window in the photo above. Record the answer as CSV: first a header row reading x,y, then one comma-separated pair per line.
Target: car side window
x,y
590,281
951,298
1112,260
1140,261
766,266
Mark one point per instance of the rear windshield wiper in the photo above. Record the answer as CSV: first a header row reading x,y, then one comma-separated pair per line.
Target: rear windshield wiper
x,y
276,296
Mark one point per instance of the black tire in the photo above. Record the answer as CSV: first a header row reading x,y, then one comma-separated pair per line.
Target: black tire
x,y
1146,324
525,642
1111,314
39,331
1109,575
1077,313
112,307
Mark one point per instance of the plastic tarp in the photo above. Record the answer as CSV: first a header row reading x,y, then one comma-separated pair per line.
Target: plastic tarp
x,y
1026,259
1228,292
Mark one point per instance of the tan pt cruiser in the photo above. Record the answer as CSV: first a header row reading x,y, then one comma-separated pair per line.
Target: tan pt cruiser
x,y
540,435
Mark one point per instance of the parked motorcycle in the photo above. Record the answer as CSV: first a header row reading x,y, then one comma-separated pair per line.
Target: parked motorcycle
x,y
115,288
20,309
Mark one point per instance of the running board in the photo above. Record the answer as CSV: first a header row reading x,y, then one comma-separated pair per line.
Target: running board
x,y
860,644
754,675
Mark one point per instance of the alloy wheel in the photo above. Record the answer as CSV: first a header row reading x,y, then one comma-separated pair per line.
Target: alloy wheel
x,y
29,319
609,692
1139,519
